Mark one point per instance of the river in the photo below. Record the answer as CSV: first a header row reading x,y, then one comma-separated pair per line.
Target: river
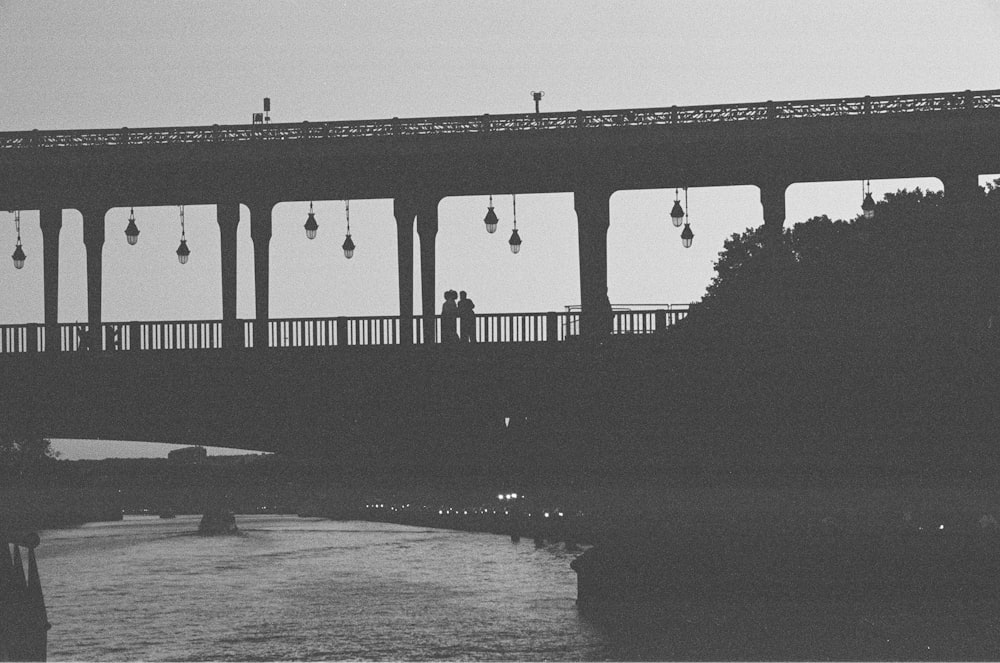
x,y
307,589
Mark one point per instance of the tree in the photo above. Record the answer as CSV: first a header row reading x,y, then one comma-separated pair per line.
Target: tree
x,y
22,452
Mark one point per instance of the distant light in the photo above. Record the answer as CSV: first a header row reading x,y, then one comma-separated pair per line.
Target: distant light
x,y
942,527
546,514
513,496
499,497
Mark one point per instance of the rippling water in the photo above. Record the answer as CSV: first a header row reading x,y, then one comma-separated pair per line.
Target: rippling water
x,y
296,588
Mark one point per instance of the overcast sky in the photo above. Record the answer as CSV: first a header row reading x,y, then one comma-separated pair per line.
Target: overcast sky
x,y
68,65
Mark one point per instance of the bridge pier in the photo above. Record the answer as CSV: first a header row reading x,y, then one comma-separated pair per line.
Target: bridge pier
x,y
228,217
50,220
961,189
93,241
260,233
772,200
405,211
593,218
427,227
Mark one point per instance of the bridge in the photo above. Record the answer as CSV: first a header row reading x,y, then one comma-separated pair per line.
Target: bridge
x,y
266,383
418,162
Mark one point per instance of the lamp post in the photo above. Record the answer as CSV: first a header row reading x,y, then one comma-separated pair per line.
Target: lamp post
x,y
515,239
491,219
18,255
311,225
183,252
537,96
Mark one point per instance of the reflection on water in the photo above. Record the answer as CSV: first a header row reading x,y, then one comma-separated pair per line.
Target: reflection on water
x,y
296,588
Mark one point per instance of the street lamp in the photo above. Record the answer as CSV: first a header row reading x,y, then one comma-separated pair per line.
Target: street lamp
x,y
687,236
348,245
183,252
491,219
515,239
677,213
18,254
311,225
131,230
868,204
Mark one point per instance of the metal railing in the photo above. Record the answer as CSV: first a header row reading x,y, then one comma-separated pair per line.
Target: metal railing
x,y
371,331
520,122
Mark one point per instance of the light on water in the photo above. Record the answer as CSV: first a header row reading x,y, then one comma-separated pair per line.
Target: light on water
x,y
293,588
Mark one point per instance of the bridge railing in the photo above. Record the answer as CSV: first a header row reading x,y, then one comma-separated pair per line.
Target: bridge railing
x,y
515,122
323,332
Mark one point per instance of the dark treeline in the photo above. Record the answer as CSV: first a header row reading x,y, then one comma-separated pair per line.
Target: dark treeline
x,y
868,343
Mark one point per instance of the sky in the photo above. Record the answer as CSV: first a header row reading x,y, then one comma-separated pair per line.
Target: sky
x,y
104,64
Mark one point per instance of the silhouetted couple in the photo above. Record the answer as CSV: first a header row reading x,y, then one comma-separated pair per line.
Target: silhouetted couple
x,y
462,312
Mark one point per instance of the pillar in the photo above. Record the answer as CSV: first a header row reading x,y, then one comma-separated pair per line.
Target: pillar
x,y
93,240
50,220
427,227
260,233
961,189
772,200
228,217
593,216
405,210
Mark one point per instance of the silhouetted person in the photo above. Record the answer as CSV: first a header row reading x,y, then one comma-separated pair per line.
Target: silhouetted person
x,y
466,318
449,317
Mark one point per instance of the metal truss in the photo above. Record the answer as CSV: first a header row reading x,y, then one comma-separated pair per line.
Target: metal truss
x,y
946,102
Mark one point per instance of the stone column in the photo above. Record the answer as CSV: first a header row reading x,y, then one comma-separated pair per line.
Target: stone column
x,y
961,189
93,240
405,210
772,199
593,217
427,227
260,233
228,217
50,220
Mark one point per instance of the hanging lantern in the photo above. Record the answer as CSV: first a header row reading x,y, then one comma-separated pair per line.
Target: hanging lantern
x,y
18,255
348,244
131,230
677,213
515,239
687,236
183,252
515,242
868,204
491,219
311,225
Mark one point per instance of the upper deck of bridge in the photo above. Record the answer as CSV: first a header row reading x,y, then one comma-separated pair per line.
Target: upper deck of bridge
x,y
868,106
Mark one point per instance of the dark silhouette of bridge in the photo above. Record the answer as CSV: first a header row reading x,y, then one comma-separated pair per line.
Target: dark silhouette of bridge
x,y
308,379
